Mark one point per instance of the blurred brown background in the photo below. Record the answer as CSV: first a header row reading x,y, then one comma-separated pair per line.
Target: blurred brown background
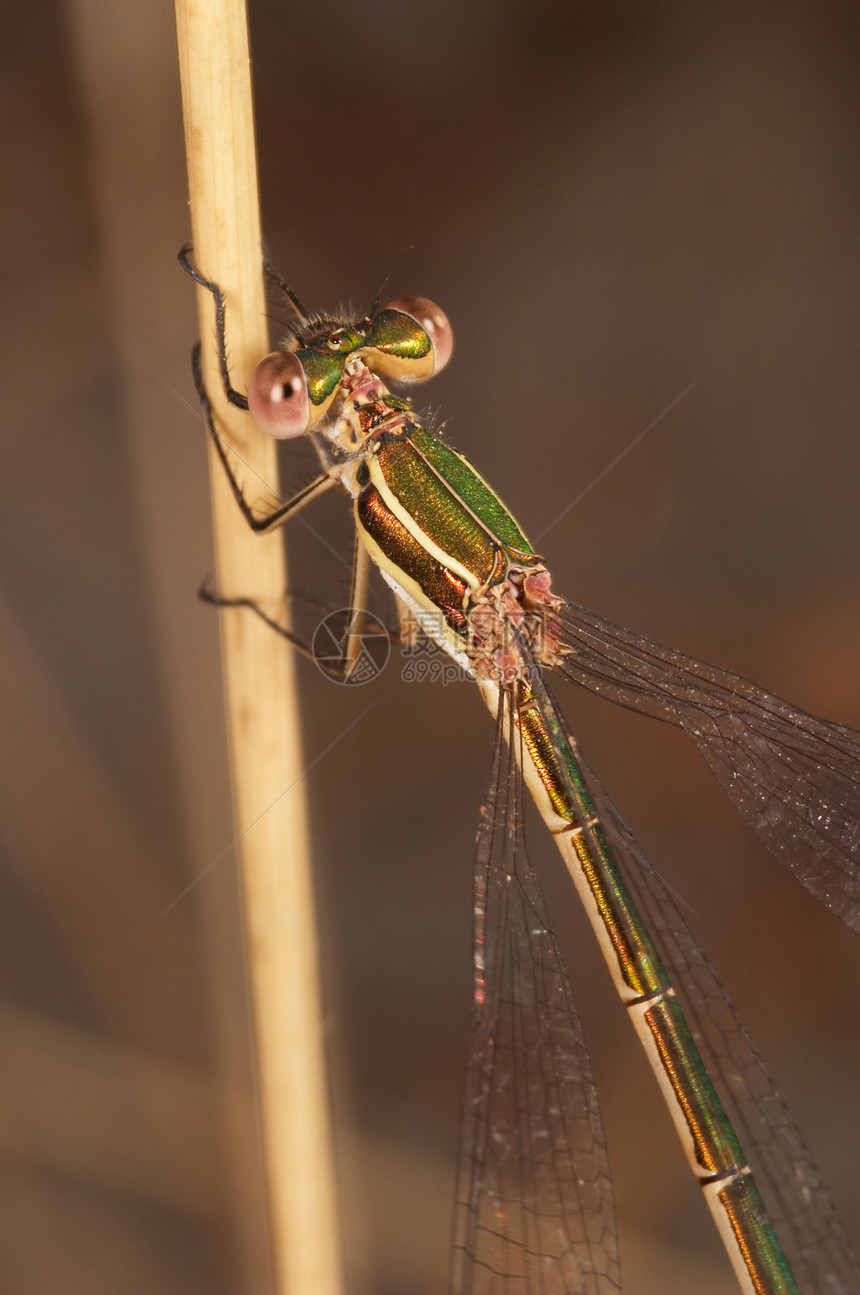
x,y
609,201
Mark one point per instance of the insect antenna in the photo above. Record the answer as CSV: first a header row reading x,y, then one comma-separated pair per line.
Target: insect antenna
x,y
280,282
376,300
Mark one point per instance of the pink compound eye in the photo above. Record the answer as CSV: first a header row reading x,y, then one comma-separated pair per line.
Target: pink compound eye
x,y
278,395
435,323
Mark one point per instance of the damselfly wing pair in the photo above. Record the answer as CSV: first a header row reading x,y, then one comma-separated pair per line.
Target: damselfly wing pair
x,y
534,1207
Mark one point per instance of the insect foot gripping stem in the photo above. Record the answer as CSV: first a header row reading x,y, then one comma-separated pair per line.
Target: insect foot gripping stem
x,y
514,623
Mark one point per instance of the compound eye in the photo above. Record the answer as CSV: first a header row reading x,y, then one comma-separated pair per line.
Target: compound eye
x,y
278,396
435,323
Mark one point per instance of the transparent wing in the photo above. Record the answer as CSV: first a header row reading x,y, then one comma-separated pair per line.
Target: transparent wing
x,y
534,1211
794,778
790,1183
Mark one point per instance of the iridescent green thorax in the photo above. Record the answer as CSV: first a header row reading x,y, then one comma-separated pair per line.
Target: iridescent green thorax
x,y
434,526
407,561
449,504
472,489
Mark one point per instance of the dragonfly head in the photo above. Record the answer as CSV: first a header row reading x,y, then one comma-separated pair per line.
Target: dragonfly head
x,y
292,389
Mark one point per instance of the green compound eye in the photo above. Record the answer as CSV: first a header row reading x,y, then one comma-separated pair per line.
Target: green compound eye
x,y
411,340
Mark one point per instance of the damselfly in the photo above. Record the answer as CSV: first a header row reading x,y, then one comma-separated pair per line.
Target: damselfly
x,y
534,1209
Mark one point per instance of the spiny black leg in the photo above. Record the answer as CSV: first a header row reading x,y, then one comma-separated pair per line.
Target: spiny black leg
x,y
207,595
278,516
358,606
206,404
235,397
